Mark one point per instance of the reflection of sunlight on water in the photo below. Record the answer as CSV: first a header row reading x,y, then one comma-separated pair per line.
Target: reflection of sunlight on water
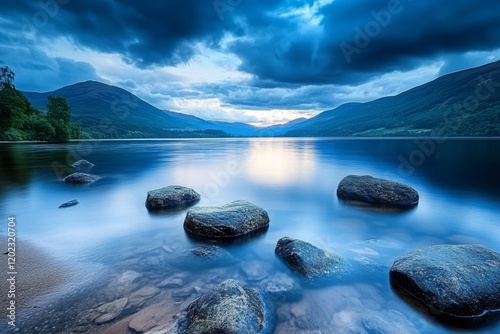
x,y
279,163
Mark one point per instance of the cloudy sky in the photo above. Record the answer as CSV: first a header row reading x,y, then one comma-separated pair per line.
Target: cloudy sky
x,y
256,61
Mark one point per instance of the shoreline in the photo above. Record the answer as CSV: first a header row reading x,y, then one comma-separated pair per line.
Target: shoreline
x,y
256,137
38,274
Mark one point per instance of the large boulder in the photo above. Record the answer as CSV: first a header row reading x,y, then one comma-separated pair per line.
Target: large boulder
x,y
83,165
231,220
229,308
451,280
376,191
312,263
80,178
171,198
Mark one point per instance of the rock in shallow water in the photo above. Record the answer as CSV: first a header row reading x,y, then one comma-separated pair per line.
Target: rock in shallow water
x,y
110,311
377,191
171,198
313,263
83,165
202,257
80,178
229,308
70,203
452,280
231,220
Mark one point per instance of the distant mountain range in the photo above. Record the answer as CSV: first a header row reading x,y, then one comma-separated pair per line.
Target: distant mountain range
x,y
465,103
106,111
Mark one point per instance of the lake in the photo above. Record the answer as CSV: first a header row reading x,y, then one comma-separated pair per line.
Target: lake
x,y
295,180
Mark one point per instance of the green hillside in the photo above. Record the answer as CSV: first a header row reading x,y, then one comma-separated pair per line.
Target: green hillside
x,y
465,103
106,111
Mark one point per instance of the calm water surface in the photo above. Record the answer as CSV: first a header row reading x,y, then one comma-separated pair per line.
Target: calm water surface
x,y
295,180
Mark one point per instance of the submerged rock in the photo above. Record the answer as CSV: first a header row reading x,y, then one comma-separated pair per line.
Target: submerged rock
x,y
139,297
452,280
124,283
313,263
80,178
202,257
255,270
158,315
229,308
175,281
110,311
70,203
231,220
83,165
281,287
377,191
171,198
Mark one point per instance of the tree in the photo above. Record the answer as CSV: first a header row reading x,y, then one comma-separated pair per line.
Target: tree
x,y
13,107
59,116
6,76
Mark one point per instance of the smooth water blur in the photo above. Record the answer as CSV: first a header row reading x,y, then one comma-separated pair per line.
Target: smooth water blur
x,y
295,180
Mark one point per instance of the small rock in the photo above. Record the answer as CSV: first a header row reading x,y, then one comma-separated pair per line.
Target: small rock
x,y
138,298
281,288
152,317
80,329
461,281
175,281
110,311
83,165
202,257
81,178
255,270
311,262
171,198
377,191
70,203
231,220
184,293
124,283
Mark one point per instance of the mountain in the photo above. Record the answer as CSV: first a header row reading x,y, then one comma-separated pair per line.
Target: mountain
x,y
106,111
465,103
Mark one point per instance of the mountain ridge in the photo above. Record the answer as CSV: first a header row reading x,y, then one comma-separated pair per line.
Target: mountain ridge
x,y
448,106
462,103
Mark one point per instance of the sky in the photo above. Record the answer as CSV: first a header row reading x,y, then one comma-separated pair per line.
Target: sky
x,y
261,62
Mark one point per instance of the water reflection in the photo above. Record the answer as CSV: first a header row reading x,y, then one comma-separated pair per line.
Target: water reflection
x,y
294,180
279,162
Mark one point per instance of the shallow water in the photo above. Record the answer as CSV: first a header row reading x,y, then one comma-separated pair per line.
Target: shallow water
x,y
295,180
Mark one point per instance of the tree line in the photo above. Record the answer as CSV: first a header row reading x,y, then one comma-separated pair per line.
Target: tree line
x,y
20,120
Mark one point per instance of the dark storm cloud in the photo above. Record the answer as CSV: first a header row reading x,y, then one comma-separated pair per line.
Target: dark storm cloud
x,y
35,71
360,39
354,40
144,32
